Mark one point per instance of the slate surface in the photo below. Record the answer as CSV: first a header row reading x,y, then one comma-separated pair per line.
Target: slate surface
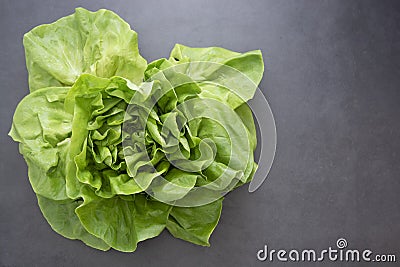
x,y
333,81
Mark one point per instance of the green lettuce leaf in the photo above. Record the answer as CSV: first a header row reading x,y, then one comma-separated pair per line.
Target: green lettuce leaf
x,y
195,224
61,216
224,75
43,128
122,223
99,43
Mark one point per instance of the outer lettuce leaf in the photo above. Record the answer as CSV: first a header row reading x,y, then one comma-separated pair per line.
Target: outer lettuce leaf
x,y
43,129
249,63
121,223
61,216
224,75
244,112
99,43
195,224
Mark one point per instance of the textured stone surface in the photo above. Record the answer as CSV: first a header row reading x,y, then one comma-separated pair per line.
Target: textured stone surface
x,y
333,82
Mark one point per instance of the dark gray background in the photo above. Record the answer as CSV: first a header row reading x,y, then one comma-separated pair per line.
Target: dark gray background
x,y
333,81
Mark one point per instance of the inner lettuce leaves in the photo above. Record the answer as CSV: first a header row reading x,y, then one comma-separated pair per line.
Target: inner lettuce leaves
x,y
118,150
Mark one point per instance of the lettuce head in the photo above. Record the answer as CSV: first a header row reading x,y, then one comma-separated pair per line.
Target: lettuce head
x,y
119,150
